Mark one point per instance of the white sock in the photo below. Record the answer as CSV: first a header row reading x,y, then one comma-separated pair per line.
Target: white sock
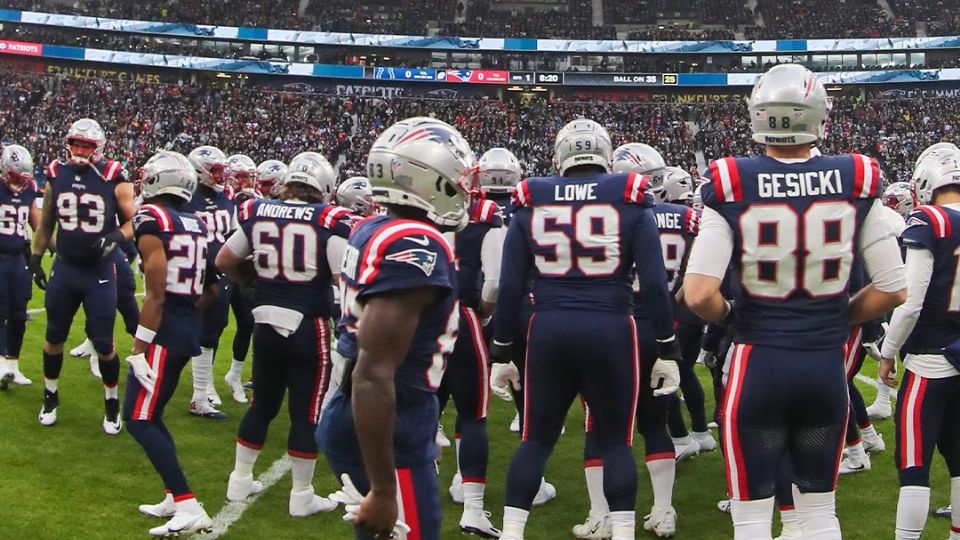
x,y
236,368
202,368
50,384
189,505
869,432
857,452
111,392
245,460
912,508
301,472
752,520
818,515
662,473
473,496
623,525
883,391
789,516
514,521
598,502
955,501
13,364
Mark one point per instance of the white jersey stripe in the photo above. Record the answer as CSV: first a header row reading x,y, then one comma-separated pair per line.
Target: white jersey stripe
x,y
726,184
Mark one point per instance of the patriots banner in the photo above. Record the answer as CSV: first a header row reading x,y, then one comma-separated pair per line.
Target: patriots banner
x,y
477,76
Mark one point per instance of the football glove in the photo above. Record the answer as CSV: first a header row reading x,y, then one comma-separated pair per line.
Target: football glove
x,y
104,245
143,372
350,497
502,377
665,377
873,348
36,269
708,359
500,353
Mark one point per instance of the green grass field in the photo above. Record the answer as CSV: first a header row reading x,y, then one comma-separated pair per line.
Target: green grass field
x,y
73,481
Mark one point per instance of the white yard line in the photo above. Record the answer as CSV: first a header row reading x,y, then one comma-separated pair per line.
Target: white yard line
x,y
866,380
231,512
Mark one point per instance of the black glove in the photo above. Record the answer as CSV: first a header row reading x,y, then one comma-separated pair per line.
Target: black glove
x,y
26,252
669,348
107,243
36,268
500,353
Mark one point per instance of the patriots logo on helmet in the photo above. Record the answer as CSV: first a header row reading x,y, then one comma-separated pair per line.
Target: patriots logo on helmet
x,y
437,133
423,259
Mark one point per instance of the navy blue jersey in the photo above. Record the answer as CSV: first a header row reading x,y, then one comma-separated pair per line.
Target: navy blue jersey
x,y
289,245
86,206
485,216
677,225
936,229
184,237
796,234
386,255
579,238
14,217
218,212
505,202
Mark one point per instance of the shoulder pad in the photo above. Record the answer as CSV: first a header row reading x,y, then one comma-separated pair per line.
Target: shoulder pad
x,y
330,215
935,217
113,171
636,187
246,209
403,241
151,217
521,195
53,168
867,180
487,212
724,175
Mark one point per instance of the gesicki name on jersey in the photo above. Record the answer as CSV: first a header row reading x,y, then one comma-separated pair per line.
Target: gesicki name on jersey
x,y
799,184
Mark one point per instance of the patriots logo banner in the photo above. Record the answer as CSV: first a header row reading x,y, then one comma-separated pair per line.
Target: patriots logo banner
x,y
423,259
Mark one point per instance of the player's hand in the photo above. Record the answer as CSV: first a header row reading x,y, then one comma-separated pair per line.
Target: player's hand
x,y
500,353
36,268
888,372
107,243
502,375
143,372
708,359
352,500
665,377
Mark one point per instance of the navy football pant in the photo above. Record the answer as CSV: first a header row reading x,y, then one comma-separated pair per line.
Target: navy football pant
x,y
467,380
854,355
15,293
769,415
298,365
126,292
241,303
216,316
414,450
95,288
599,362
689,336
926,417
143,415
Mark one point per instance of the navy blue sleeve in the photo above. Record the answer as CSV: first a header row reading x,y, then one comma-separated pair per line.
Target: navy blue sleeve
x,y
652,274
513,279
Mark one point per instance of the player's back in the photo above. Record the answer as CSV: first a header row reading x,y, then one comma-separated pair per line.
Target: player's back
x,y
184,237
937,229
677,225
14,215
218,212
796,232
289,244
86,206
580,234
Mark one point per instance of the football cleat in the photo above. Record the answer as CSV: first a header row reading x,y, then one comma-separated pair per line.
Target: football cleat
x,y
442,440
545,494
851,464
48,413
477,523
594,528
304,503
236,387
790,531
112,424
212,396
874,445
19,378
184,522
83,349
880,410
163,509
713,425
704,440
204,409
686,447
944,512
6,377
515,424
248,385
456,489
661,521
239,488
723,505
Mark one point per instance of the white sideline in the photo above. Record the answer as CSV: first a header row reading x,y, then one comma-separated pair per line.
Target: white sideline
x,y
232,511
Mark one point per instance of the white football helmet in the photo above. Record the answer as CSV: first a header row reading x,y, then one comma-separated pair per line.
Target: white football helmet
x,y
169,173
210,163
312,169
17,165
933,173
355,195
424,163
582,142
243,171
676,182
270,175
86,131
698,197
788,106
940,148
899,196
645,160
500,171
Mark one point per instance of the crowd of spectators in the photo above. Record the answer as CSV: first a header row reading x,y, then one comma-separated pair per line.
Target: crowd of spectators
x,y
576,21
680,33
813,19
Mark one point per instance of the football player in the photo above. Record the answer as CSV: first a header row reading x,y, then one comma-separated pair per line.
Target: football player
x,y
18,209
86,199
270,175
173,245
789,226
925,329
579,236
218,212
400,320
289,242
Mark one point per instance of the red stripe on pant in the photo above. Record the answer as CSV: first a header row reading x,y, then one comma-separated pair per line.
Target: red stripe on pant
x,y
911,421
323,358
482,363
526,383
408,498
631,423
733,459
147,402
851,351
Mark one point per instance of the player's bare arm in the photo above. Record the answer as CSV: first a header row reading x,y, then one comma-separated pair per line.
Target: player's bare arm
x,y
126,204
47,223
236,266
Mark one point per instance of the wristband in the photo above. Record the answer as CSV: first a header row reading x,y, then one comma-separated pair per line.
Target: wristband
x,y
145,334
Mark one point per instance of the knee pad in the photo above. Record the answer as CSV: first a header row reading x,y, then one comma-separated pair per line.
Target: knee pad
x,y
104,347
